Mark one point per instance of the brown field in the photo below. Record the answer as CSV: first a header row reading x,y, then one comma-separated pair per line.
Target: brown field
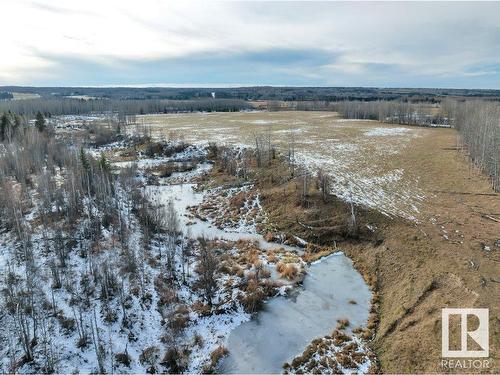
x,y
359,155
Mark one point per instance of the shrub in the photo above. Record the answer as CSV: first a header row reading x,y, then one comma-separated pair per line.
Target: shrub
x,y
238,200
102,135
178,322
289,272
123,358
173,359
270,287
254,301
149,357
225,267
271,257
280,267
218,354
372,321
342,323
345,360
339,338
67,324
198,340
265,273
153,149
201,309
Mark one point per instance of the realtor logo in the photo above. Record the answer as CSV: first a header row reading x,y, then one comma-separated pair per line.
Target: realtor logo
x,y
476,337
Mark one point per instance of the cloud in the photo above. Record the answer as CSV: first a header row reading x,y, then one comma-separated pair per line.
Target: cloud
x,y
270,67
284,43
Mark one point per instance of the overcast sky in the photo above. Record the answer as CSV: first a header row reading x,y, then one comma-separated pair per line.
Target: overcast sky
x,y
185,43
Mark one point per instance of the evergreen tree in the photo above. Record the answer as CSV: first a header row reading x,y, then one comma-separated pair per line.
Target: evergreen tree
x,y
84,160
4,124
40,122
103,163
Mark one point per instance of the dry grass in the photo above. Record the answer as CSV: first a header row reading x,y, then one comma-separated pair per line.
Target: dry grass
x,y
409,256
340,147
271,256
218,354
328,354
342,323
339,337
238,200
412,256
280,267
201,308
289,272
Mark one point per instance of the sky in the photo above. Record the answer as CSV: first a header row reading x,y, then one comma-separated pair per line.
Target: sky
x,y
212,43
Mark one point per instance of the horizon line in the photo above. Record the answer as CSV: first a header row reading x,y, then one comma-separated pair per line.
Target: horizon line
x,y
234,86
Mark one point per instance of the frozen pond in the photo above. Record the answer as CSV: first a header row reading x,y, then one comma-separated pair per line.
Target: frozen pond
x,y
287,325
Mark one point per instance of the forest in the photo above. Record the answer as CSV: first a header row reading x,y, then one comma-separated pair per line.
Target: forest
x,y
289,93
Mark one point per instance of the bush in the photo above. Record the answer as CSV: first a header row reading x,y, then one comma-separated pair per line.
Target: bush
x,y
218,354
67,324
339,338
149,357
345,360
102,135
289,272
342,323
254,298
280,267
198,340
201,309
173,359
123,358
271,257
178,320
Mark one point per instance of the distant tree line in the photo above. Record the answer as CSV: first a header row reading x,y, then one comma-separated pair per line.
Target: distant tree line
x,y
30,107
6,95
397,112
258,93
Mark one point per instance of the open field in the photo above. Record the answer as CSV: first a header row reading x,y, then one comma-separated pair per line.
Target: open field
x,y
361,156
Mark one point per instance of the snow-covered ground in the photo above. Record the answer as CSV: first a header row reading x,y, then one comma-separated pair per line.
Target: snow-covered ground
x,y
383,132
117,300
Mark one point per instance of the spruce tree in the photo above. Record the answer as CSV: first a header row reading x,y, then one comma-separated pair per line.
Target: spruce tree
x,y
4,124
40,122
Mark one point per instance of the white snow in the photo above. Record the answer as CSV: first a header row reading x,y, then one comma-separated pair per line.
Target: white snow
x,y
384,132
